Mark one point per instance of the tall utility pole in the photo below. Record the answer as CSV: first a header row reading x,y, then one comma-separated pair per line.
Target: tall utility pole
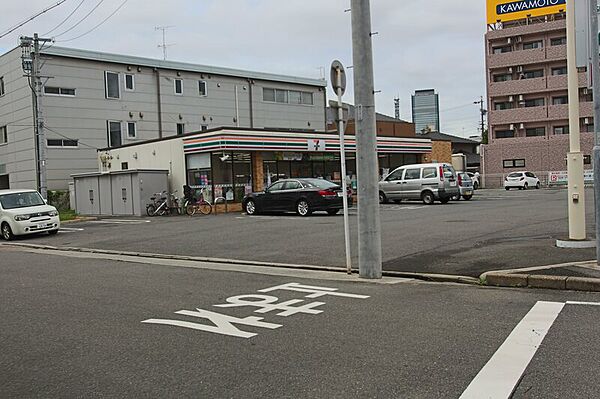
x,y
595,73
32,68
576,199
369,226
164,44
482,111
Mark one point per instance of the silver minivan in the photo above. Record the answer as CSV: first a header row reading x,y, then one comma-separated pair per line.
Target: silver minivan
x,y
428,182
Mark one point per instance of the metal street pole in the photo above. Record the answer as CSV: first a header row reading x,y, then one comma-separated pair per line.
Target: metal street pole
x,y
595,73
343,162
369,226
576,199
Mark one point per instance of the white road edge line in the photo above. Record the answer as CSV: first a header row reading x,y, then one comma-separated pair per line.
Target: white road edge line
x,y
499,377
70,229
583,303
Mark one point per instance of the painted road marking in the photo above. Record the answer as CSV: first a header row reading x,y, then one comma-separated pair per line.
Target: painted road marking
x,y
499,377
69,229
225,324
501,374
116,221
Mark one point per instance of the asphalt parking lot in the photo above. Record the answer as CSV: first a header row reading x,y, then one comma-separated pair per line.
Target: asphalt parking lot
x,y
495,230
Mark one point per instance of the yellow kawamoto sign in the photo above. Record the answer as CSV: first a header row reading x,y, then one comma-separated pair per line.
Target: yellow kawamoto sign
x,y
509,10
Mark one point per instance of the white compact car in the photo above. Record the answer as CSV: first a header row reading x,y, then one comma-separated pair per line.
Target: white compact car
x,y
26,212
521,180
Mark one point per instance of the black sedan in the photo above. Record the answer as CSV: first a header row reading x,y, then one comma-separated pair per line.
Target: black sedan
x,y
303,196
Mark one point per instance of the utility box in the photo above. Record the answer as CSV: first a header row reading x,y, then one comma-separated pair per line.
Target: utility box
x,y
120,193
459,162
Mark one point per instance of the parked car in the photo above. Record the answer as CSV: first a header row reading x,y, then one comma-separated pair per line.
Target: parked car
x,y
465,186
475,178
26,212
521,180
303,196
428,182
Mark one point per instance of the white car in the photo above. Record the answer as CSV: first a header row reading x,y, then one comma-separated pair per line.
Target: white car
x,y
26,212
521,180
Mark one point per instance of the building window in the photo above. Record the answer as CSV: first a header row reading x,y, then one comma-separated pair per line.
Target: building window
x,y
559,71
111,81
503,77
203,127
268,95
307,98
538,73
287,96
503,134
2,86
558,41
114,134
561,129
3,135
62,143
533,45
587,159
534,102
59,91
535,131
503,105
178,87
202,89
131,130
513,163
560,100
503,49
281,96
124,165
129,82
587,125
180,128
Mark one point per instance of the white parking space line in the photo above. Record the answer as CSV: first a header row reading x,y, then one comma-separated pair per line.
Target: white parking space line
x,y
583,303
501,374
69,230
115,221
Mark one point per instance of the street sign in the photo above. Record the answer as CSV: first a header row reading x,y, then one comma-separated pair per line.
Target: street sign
x,y
510,10
335,66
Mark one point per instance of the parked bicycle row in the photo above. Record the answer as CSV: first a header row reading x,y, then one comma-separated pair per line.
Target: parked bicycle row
x,y
165,203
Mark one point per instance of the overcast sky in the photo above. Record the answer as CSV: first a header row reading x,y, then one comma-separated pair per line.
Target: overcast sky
x,y
434,44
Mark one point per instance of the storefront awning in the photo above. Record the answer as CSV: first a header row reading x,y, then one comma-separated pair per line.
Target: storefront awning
x,y
240,140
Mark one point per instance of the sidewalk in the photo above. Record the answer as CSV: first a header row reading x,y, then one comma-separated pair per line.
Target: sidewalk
x,y
577,276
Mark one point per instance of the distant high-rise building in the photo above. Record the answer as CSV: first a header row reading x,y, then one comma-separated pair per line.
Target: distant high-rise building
x,y
426,111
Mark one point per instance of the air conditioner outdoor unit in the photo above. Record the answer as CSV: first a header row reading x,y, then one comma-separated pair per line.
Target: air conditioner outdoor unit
x,y
586,121
510,70
509,41
585,91
521,97
521,126
519,69
511,99
519,39
512,127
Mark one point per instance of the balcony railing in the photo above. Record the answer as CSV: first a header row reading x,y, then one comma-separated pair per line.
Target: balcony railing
x,y
515,87
514,58
518,115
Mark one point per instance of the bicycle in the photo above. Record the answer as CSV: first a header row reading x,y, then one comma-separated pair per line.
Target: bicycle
x,y
193,205
160,204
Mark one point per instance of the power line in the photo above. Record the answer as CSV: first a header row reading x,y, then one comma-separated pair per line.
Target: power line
x,y
97,26
65,20
14,28
82,19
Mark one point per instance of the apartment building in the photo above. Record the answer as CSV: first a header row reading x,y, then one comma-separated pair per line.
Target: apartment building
x,y
94,100
526,63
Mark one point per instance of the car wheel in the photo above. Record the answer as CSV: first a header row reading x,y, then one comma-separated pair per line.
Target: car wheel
x,y
382,198
332,211
525,186
303,208
467,197
507,188
7,233
456,197
52,232
445,200
537,185
427,198
476,186
250,207
397,201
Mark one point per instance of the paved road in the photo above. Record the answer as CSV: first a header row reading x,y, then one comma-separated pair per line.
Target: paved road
x,y
72,327
495,230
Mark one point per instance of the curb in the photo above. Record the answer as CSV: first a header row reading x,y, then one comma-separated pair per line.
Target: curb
x,y
438,278
541,281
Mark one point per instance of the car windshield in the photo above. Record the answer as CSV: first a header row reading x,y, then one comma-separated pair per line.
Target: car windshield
x,y
21,200
515,174
465,177
319,183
